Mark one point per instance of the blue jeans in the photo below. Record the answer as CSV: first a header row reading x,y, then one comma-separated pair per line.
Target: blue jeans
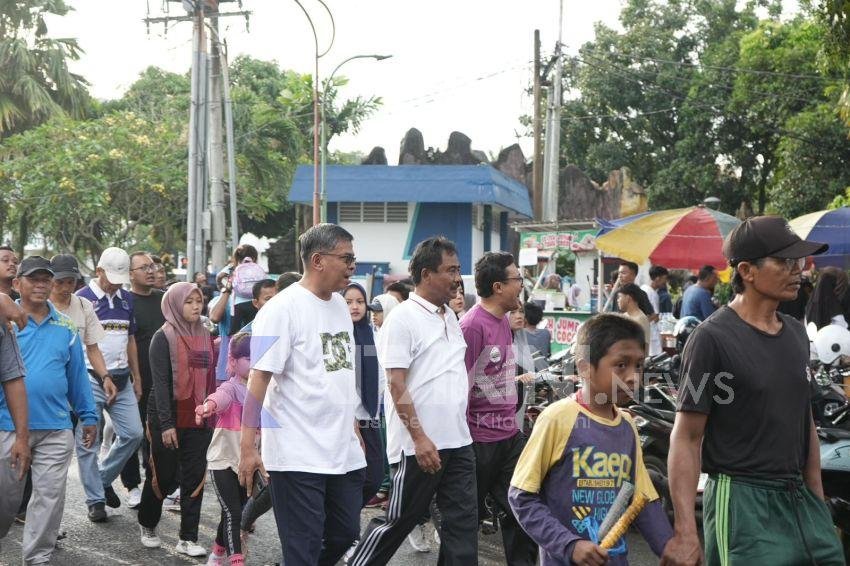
x,y
124,412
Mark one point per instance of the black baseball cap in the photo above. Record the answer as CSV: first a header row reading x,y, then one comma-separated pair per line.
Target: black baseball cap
x,y
64,266
767,236
33,264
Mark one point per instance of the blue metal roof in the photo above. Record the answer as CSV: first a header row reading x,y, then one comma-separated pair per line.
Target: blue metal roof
x,y
414,183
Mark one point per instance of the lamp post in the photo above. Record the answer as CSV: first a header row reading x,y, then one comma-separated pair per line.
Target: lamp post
x,y
316,202
323,196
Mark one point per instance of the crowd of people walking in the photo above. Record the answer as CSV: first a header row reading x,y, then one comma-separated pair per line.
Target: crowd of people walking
x,y
303,397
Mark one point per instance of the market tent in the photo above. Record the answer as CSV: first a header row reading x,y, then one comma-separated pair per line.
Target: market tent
x,y
684,238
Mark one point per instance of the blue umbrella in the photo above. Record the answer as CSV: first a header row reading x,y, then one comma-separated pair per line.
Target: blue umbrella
x,y
606,226
831,227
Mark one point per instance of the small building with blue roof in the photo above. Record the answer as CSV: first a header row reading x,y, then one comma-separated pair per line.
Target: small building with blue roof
x,y
389,209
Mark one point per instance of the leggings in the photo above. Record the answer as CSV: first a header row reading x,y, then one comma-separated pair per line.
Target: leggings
x,y
232,497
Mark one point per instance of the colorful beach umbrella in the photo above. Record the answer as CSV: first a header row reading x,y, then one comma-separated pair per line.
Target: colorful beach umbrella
x,y
831,227
606,226
684,238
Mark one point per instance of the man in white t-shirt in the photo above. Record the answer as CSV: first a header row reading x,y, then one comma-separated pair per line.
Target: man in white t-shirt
x,y
303,344
658,278
422,349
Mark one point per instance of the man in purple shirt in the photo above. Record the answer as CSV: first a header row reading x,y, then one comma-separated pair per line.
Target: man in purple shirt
x,y
491,414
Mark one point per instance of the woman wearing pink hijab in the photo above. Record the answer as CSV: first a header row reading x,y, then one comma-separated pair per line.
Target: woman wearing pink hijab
x,y
183,373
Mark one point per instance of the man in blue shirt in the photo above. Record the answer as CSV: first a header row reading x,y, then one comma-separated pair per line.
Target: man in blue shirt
x,y
696,301
56,378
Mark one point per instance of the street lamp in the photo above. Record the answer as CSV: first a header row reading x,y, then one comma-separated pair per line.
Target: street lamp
x,y
316,202
324,123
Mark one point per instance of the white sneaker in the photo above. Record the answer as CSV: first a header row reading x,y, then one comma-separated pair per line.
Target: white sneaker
x,y
348,553
149,538
190,548
172,501
134,497
417,539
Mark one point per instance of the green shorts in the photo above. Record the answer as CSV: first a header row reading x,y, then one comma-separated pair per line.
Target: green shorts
x,y
750,521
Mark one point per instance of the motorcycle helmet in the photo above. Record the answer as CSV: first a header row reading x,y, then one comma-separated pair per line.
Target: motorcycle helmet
x,y
832,342
683,329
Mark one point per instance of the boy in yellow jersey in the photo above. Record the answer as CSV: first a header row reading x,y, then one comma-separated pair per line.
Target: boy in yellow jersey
x,y
581,451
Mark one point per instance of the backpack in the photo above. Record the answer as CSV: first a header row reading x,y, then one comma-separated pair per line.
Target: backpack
x,y
245,275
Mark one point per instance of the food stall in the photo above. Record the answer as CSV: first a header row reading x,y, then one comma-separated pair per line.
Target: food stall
x,y
541,247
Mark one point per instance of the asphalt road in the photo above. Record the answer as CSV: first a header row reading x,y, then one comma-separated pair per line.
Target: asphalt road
x,y
116,542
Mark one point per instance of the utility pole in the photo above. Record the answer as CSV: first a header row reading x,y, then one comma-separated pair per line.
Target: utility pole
x,y
553,132
194,241
205,188
231,151
218,248
537,166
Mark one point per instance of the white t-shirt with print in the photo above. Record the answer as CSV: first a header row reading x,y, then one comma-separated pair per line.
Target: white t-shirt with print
x,y
430,345
308,414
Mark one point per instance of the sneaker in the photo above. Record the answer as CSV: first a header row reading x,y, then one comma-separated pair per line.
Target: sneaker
x,y
97,513
350,552
417,539
172,501
134,497
149,538
112,499
190,548
21,517
217,559
376,501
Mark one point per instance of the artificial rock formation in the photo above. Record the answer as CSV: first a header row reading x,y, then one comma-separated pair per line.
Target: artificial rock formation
x,y
580,198
376,157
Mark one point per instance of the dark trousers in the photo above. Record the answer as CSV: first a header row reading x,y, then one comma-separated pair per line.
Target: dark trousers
x,y
318,515
371,433
191,459
231,497
412,493
494,465
130,475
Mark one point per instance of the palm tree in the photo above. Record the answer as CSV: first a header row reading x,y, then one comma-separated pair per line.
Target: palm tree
x,y
35,82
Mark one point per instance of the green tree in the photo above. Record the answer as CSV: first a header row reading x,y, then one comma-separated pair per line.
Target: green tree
x,y
35,83
85,185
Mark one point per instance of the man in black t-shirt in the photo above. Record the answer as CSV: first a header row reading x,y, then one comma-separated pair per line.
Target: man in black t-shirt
x,y
147,302
745,415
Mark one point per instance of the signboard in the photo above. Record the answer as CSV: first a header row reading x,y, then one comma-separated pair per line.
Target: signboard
x,y
574,241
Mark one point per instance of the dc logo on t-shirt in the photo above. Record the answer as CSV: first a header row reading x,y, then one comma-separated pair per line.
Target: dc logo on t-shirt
x,y
337,351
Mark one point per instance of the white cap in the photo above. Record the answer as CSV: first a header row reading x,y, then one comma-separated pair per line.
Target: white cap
x,y
116,263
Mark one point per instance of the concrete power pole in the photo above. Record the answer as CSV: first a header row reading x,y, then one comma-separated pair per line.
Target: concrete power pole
x,y
553,133
537,167
218,249
205,151
197,141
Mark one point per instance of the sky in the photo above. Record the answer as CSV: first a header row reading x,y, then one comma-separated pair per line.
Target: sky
x,y
461,65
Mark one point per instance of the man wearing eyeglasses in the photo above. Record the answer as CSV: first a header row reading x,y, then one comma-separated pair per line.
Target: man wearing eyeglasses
x,y
491,363
147,308
745,418
303,344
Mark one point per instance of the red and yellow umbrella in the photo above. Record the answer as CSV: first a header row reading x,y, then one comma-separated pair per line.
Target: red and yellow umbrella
x,y
684,238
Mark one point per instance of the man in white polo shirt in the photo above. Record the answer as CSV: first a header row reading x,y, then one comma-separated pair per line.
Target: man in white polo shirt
x,y
422,349
303,343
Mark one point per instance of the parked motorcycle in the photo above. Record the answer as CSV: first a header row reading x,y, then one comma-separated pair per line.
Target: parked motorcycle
x,y
835,474
828,375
